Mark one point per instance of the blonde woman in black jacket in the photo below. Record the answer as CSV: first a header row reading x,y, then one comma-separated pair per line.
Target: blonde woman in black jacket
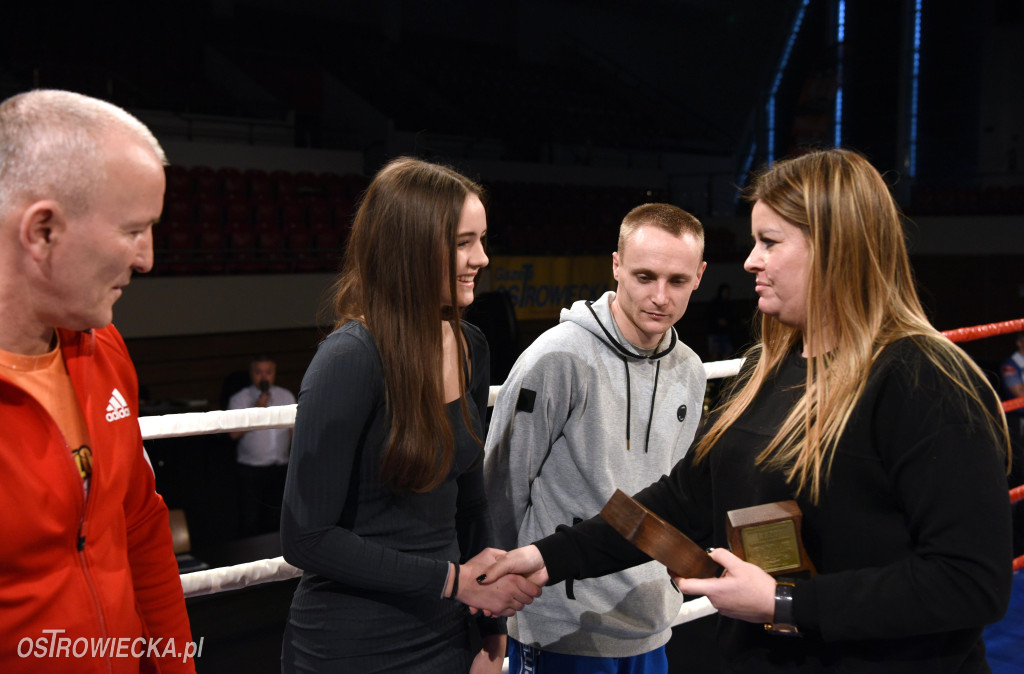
x,y
886,434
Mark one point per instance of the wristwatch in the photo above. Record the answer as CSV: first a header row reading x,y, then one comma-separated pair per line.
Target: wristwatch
x,y
785,619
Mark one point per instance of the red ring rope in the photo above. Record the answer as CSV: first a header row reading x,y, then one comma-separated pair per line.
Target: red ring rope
x,y
991,330
983,331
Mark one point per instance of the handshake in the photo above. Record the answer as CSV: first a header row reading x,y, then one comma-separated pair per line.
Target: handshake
x,y
499,583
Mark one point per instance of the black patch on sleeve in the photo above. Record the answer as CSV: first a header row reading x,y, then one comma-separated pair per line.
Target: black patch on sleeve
x,y
527,398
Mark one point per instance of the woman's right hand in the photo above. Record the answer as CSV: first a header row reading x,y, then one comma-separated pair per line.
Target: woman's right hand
x,y
503,597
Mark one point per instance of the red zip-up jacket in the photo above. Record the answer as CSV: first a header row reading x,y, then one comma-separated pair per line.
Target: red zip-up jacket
x,y
101,569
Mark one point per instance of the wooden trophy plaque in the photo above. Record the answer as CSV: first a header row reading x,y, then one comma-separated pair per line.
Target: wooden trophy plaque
x,y
768,535
658,538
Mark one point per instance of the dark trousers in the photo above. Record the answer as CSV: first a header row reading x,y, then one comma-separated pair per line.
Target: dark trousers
x,y
260,490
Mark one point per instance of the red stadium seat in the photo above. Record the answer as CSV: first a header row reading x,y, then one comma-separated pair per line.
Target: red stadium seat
x,y
259,185
284,185
293,216
303,252
319,214
242,254
179,183
232,184
206,184
265,216
213,251
273,252
308,183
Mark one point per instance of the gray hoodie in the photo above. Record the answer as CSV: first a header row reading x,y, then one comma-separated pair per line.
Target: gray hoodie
x,y
583,413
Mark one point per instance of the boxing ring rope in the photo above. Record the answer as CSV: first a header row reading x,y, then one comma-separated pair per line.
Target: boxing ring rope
x,y
283,416
983,331
990,330
239,576
217,421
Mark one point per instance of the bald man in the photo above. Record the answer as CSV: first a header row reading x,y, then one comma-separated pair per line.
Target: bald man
x,y
88,578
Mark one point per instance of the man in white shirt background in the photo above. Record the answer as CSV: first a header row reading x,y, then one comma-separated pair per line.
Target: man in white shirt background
x,y
262,455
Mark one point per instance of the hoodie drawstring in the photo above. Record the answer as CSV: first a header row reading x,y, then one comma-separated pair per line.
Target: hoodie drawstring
x,y
629,404
650,415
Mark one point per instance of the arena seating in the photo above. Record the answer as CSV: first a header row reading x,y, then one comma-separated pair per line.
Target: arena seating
x,y
226,221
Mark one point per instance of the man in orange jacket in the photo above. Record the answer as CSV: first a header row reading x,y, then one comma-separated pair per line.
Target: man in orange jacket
x,y
88,579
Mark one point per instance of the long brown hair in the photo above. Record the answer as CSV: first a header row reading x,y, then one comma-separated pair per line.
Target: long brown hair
x,y
860,297
401,249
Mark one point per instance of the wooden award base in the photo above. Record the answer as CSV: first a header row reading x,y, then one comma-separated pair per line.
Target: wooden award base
x,y
658,538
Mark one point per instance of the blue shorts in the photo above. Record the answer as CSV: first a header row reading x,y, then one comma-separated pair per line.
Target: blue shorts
x,y
529,660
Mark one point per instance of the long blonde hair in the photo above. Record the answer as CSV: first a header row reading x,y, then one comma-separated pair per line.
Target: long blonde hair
x,y
860,295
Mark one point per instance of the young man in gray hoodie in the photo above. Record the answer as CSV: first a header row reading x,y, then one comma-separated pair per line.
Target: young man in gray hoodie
x,y
607,399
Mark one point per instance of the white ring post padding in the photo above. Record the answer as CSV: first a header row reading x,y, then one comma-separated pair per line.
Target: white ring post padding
x,y
236,577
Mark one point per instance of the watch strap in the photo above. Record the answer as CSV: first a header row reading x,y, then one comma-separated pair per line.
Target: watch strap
x,y
784,622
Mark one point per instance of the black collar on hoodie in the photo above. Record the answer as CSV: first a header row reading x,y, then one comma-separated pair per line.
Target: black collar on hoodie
x,y
623,351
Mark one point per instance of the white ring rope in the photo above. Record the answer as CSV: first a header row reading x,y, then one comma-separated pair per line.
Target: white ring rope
x,y
283,416
226,578
236,577
217,421
723,368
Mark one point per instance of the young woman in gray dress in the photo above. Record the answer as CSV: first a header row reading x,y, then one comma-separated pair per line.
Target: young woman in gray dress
x,y
384,506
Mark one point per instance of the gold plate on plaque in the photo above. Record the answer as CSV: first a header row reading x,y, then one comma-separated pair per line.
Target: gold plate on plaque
x,y
768,535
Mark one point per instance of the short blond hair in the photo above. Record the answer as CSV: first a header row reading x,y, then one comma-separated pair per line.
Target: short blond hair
x,y
667,217
51,145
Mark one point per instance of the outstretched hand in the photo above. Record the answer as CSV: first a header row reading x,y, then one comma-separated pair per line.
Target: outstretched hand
x,y
744,591
525,561
502,598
